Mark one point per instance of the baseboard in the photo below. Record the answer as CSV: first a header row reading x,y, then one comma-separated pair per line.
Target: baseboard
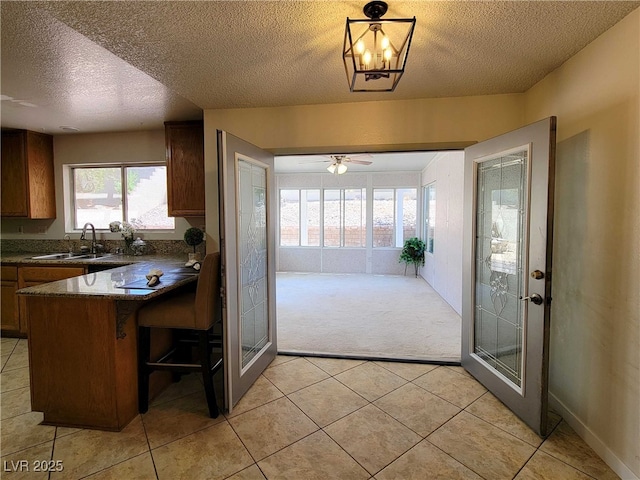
x,y
591,439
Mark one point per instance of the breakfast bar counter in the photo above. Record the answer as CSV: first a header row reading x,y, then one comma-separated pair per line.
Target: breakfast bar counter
x,y
82,336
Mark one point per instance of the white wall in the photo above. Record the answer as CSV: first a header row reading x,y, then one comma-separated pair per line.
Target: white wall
x,y
443,268
130,147
595,314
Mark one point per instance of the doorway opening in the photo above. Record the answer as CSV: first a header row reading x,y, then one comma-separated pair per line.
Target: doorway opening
x,y
341,290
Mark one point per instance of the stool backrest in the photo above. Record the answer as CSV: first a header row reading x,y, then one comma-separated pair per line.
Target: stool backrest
x,y
208,291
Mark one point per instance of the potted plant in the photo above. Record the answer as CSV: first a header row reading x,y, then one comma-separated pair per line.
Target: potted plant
x,y
193,237
413,252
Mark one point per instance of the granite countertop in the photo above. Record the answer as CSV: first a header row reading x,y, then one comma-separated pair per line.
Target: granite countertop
x,y
126,281
106,260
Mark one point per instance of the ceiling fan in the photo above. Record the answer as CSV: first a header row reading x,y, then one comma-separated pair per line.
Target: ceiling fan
x,y
338,162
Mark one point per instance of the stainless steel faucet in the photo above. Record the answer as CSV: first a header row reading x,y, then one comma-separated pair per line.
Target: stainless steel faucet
x,y
93,235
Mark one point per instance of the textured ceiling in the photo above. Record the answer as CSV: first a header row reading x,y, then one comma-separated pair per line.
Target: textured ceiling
x,y
117,65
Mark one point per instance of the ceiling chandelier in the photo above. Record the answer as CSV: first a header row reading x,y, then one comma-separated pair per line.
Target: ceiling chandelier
x,y
375,50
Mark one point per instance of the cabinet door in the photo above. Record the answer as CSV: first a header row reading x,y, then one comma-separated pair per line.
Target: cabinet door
x,y
28,185
41,184
14,175
185,168
9,307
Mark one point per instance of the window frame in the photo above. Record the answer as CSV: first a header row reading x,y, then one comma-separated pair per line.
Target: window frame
x,y
395,242
429,230
366,215
301,216
69,186
342,221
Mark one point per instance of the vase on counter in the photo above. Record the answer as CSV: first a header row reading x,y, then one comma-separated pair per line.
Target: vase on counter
x,y
139,246
128,241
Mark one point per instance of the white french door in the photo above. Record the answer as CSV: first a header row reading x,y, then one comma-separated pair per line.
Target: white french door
x,y
247,245
508,219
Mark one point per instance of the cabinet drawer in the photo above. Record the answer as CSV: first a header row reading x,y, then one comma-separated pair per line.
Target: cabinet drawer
x,y
48,274
9,274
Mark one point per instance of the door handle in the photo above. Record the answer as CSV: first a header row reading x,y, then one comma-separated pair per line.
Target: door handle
x,y
535,298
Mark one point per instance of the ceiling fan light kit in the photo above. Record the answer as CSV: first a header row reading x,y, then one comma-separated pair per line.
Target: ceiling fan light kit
x,y
338,163
337,168
375,51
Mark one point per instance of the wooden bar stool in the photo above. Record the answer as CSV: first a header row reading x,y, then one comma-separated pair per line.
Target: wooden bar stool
x,y
186,313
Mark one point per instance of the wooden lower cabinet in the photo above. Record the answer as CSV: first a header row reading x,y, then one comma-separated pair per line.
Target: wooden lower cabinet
x,y
31,276
9,311
82,374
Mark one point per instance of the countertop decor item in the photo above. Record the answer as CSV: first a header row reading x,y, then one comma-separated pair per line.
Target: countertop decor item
x,y
193,237
127,230
153,276
139,246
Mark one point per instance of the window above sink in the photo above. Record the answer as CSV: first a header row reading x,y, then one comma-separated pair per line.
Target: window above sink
x,y
104,193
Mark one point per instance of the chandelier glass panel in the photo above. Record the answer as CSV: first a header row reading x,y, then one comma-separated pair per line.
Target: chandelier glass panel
x,y
375,50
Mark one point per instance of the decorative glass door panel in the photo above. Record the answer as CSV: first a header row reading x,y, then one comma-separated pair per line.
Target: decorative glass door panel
x,y
506,290
247,245
252,240
501,221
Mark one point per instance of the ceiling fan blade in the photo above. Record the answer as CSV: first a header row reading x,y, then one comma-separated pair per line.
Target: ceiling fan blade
x,y
361,162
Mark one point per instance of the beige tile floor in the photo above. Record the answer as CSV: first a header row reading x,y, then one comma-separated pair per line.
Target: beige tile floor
x,y
305,418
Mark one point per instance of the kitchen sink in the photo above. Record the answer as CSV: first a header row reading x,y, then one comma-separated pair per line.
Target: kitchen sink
x,y
71,256
90,256
59,256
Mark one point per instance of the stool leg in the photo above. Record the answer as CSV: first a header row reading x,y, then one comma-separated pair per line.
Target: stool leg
x,y
144,352
207,377
180,355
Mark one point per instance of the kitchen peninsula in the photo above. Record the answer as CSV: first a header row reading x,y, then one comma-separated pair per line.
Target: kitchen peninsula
x,y
82,341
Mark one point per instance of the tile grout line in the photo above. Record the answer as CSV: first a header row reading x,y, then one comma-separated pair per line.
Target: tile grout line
x,y
146,436
9,356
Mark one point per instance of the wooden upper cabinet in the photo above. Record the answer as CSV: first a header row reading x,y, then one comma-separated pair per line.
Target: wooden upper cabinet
x,y
185,168
28,185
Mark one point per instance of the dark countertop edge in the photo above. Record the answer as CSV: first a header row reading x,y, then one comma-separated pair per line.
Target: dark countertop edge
x,y
117,260
151,293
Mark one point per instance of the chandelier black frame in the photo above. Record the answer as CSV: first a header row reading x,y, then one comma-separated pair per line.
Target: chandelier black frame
x,y
375,50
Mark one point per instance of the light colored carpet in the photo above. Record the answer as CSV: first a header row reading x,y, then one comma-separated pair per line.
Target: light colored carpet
x,y
379,316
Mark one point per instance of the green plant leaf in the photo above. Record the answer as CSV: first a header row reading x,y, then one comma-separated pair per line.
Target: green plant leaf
x,y
193,236
413,251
